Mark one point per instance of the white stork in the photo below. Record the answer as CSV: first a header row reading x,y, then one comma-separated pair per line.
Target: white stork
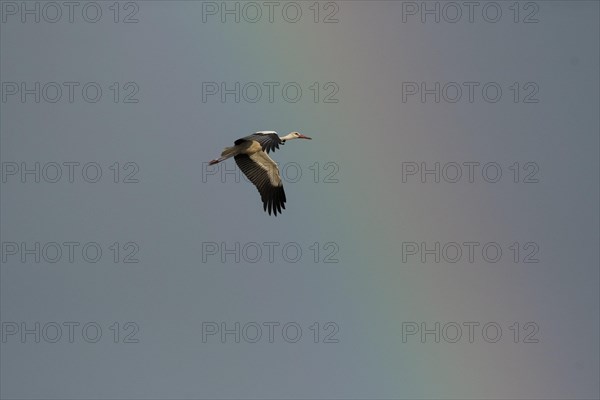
x,y
250,154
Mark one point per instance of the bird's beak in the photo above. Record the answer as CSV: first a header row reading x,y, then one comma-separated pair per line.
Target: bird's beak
x,y
304,137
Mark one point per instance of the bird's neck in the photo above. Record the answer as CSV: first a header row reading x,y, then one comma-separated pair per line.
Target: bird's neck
x,y
289,136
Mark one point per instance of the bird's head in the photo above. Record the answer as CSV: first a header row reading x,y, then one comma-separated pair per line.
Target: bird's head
x,y
295,135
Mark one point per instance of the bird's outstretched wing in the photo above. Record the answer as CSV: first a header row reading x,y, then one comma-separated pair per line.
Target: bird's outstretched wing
x,y
263,173
269,140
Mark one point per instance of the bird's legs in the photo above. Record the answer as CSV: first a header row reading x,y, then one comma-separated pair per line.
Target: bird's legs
x,y
227,153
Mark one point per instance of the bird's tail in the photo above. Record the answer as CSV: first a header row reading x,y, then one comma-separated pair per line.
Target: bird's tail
x,y
227,153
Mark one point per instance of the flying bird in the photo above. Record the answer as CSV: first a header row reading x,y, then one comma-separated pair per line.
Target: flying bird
x,y
250,154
